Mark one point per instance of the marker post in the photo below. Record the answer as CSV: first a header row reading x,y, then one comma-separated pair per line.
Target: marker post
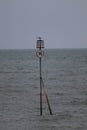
x,y
40,53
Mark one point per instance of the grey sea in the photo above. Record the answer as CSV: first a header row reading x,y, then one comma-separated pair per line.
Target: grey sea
x,y
65,78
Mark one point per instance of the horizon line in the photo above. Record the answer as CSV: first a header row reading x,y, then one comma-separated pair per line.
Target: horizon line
x,y
44,48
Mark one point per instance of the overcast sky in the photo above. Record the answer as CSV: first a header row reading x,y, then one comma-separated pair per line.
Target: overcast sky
x,y
61,23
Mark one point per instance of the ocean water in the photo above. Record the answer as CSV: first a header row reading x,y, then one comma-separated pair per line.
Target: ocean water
x,y
65,78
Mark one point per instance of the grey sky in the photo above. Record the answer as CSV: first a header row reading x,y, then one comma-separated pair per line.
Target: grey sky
x,y
61,23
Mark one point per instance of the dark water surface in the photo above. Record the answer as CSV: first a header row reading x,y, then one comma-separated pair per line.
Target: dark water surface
x,y
65,78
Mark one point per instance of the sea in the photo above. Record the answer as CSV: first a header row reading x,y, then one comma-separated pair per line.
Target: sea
x,y
64,73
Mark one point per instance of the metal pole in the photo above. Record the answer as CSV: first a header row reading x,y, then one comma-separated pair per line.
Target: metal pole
x,y
40,53
48,103
40,88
